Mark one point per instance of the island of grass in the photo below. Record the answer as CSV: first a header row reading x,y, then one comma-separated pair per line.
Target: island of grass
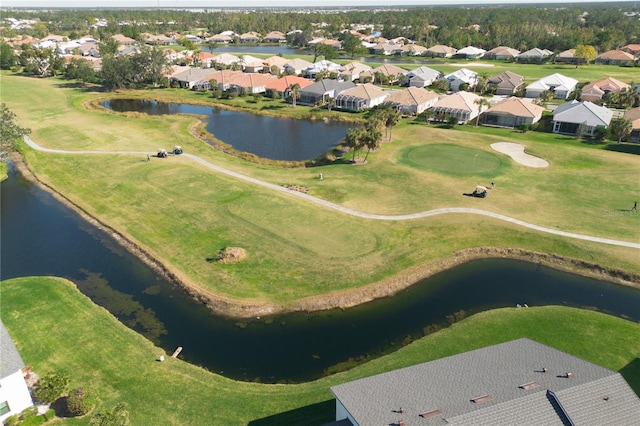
x,y
121,366
301,255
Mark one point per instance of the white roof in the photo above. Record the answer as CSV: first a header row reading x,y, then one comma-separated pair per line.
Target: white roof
x,y
583,112
470,50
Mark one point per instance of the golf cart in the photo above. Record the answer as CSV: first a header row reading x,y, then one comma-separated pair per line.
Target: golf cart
x,y
480,191
177,150
162,153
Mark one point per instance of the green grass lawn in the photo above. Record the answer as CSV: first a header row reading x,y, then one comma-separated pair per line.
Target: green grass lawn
x,y
57,329
183,213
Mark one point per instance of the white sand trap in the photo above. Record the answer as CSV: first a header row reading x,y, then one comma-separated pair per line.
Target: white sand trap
x,y
516,151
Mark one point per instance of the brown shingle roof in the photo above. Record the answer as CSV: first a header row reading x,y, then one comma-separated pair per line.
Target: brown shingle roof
x,y
517,107
411,96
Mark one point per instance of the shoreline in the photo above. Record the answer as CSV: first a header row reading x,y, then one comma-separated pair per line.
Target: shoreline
x,y
244,309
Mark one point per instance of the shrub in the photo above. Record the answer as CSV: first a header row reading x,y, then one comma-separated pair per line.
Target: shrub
x,y
12,420
49,415
80,401
117,416
33,421
50,387
29,412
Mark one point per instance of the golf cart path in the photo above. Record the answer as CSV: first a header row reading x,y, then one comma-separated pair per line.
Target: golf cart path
x,y
357,213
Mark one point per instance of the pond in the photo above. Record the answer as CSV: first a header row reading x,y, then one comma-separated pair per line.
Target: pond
x,y
267,137
42,237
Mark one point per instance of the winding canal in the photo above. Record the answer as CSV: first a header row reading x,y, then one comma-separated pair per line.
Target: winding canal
x,y
40,236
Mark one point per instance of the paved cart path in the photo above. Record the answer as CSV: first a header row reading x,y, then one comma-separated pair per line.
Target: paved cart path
x,y
357,213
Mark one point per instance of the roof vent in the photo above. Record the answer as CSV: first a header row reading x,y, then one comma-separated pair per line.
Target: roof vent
x,y
530,385
431,413
481,399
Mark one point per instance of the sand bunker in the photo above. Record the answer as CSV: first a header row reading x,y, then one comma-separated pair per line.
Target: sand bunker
x,y
516,152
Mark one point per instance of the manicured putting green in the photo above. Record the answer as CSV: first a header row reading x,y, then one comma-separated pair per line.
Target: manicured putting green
x,y
451,158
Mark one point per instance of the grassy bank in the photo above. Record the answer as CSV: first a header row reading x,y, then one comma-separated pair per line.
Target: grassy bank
x,y
183,213
86,342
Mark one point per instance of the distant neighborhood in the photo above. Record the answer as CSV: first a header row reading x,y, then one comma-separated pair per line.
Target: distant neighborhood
x,y
501,100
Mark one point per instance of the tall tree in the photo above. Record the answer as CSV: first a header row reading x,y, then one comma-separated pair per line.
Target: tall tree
x,y
482,103
10,132
354,140
584,54
352,45
294,93
7,57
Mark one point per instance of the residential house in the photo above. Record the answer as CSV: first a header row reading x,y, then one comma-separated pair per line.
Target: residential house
x,y
272,64
441,51
505,83
412,100
633,115
422,76
123,40
413,50
360,97
599,89
194,78
519,382
220,38
296,66
204,59
460,77
352,71
634,49
385,49
319,92
53,38
225,78
275,37
14,393
566,57
89,49
226,59
193,38
279,87
323,67
512,112
244,60
580,116
250,83
502,53
462,105
390,71
470,52
535,55
157,39
250,37
560,85
615,57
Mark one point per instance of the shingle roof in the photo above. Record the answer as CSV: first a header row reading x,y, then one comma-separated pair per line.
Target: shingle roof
x,y
633,115
517,107
616,55
10,359
411,96
389,69
464,101
583,112
364,91
326,85
450,384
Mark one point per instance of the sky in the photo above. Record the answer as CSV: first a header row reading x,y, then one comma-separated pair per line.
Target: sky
x,y
258,3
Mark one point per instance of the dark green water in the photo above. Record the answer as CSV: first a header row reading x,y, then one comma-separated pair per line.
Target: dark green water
x,y
40,236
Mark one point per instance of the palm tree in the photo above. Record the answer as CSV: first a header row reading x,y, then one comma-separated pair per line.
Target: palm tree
x,y
481,102
354,140
620,127
294,92
372,138
391,119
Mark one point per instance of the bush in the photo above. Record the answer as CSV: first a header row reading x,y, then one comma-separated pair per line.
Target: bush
x,y
12,420
51,387
49,415
80,401
33,421
29,412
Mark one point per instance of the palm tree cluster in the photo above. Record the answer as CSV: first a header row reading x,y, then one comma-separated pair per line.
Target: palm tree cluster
x,y
370,136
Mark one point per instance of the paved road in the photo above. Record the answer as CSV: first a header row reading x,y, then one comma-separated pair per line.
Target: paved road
x,y
357,213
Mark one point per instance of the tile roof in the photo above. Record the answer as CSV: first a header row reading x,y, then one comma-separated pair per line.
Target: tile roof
x,y
281,84
389,69
460,100
633,115
411,96
517,107
364,91
10,359
616,55
450,384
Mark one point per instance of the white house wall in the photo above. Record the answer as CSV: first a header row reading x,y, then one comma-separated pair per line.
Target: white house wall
x,y
13,390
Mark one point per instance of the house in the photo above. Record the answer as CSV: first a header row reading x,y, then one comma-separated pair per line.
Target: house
x,y
14,393
296,66
422,76
123,40
521,382
505,83
385,49
566,57
267,65
615,57
275,37
194,78
220,38
412,100
633,115
205,59
319,92
599,89
89,49
502,53
249,83
250,37
413,50
580,117
278,87
441,51
157,39
634,49
244,60
535,55
460,77
360,97
225,78
560,85
512,112
321,67
462,105
470,52
226,59
352,70
390,71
